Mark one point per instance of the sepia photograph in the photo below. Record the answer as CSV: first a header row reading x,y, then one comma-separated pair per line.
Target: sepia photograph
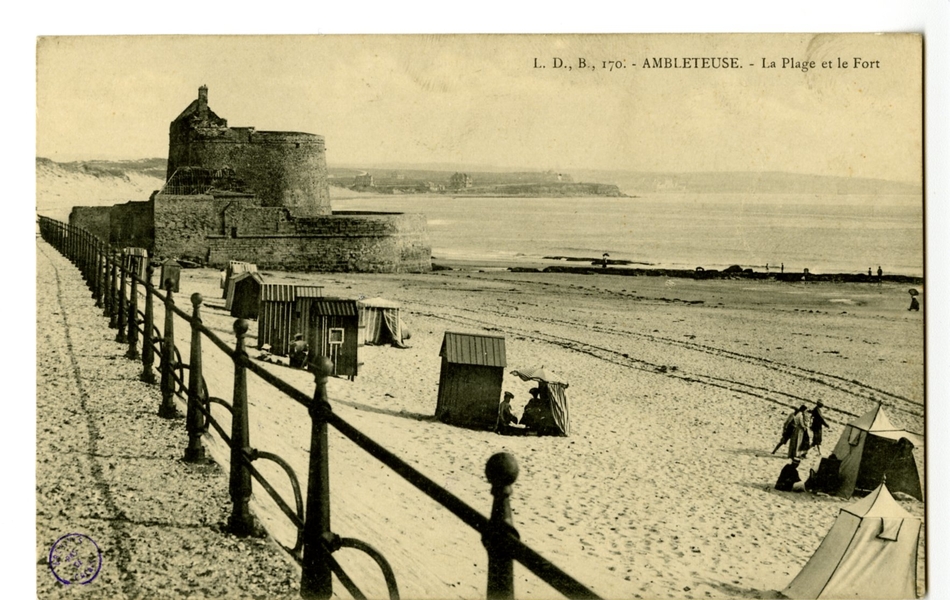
x,y
462,316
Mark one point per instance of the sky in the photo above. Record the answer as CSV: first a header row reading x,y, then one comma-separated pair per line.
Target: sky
x,y
501,100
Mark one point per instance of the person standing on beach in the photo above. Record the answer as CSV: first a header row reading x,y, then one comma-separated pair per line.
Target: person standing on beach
x,y
817,422
797,442
783,267
787,429
880,273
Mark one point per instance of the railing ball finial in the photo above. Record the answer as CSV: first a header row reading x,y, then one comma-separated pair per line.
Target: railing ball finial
x,y
197,299
322,367
240,326
501,470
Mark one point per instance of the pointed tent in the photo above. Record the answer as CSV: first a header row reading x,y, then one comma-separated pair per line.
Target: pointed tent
x,y
871,448
869,552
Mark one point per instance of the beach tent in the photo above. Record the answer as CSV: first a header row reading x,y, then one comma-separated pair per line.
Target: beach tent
x,y
332,332
555,413
380,323
869,552
473,367
244,295
869,449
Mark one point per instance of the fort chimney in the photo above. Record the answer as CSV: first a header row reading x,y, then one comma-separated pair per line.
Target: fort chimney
x,y
203,99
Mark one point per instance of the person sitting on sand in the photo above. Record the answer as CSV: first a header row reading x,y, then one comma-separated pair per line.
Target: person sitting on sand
x,y
298,352
789,480
531,417
505,416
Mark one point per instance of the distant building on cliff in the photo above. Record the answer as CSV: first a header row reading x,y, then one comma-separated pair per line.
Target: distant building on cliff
x,y
235,193
460,181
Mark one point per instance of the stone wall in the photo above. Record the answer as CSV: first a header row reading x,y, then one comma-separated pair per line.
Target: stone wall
x,y
94,219
131,224
364,242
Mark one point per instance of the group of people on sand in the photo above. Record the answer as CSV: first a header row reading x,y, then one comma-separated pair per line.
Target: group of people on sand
x,y
802,431
536,418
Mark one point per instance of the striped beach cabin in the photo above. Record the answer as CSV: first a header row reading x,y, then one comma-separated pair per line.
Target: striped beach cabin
x,y
283,312
135,260
473,368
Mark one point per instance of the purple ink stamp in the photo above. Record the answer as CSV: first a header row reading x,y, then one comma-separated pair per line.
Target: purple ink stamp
x,y
75,558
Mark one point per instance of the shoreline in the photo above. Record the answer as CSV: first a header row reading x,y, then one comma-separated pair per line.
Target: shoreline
x,y
639,269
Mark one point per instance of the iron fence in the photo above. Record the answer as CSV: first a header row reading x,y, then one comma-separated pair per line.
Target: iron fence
x,y
115,288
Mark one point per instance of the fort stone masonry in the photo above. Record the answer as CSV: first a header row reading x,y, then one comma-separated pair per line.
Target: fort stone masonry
x,y
235,193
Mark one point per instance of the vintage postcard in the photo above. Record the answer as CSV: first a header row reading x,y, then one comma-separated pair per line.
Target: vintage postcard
x,y
456,316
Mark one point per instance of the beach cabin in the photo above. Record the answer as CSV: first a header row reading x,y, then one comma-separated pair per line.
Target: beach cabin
x,y
235,267
171,271
473,368
332,332
244,301
276,321
135,260
304,296
380,323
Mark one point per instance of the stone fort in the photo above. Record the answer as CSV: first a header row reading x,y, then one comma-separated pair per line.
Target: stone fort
x,y
235,193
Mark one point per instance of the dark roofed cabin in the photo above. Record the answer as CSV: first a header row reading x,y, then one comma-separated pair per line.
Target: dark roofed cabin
x,y
473,368
333,332
244,295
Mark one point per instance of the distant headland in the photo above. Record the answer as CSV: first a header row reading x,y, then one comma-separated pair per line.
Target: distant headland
x,y
485,184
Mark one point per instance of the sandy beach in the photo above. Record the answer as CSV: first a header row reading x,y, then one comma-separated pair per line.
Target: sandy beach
x,y
678,389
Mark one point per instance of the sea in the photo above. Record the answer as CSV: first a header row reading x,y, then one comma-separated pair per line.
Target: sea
x,y
821,233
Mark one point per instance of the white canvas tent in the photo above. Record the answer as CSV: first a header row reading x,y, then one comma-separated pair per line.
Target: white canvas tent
x,y
871,448
870,552
380,323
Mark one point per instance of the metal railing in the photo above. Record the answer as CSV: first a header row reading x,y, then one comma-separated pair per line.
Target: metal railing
x,y
115,288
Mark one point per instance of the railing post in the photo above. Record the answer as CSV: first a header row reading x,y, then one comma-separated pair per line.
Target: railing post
x,y
241,522
502,471
120,335
100,261
148,352
167,409
132,319
316,578
113,299
195,423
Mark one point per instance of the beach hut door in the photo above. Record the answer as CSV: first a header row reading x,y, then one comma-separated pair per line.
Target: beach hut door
x,y
335,336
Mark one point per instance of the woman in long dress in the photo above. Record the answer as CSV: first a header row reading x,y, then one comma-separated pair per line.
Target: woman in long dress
x,y
798,430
